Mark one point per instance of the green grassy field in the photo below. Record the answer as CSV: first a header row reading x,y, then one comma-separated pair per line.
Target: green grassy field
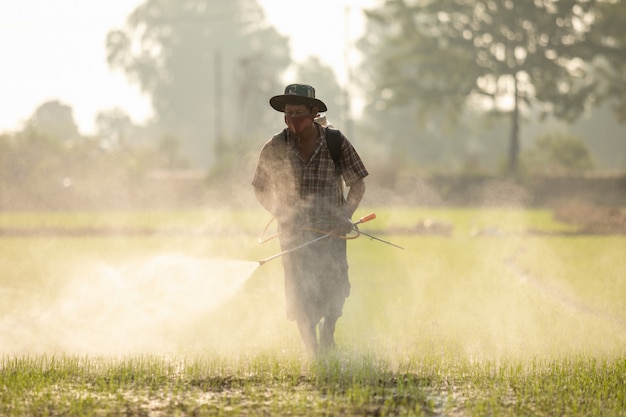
x,y
166,313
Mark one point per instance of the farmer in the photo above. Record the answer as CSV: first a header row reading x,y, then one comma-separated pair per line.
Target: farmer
x,y
295,180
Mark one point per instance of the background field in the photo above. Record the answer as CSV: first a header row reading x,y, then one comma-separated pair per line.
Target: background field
x,y
485,310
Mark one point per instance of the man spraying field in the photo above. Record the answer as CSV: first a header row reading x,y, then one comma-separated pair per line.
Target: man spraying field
x,y
299,179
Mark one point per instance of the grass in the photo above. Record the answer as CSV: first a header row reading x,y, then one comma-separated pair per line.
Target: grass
x,y
498,324
339,384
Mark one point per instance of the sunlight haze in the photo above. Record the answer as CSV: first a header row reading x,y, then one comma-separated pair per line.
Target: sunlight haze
x,y
56,51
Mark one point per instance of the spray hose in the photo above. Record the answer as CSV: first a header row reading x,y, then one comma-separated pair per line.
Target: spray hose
x,y
371,216
323,234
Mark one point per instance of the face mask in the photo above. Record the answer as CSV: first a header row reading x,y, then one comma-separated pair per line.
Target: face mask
x,y
298,124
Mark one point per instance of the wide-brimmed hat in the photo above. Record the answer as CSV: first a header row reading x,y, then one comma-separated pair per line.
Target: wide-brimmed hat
x,y
297,94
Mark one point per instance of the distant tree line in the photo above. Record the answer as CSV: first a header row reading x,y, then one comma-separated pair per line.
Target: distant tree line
x,y
49,164
447,87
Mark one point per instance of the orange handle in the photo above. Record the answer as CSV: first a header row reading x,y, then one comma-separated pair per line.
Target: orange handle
x,y
367,218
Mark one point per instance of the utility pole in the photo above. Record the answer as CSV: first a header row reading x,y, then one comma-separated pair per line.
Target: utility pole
x,y
346,57
217,113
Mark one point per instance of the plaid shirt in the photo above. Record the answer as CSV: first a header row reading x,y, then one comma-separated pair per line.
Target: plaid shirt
x,y
310,188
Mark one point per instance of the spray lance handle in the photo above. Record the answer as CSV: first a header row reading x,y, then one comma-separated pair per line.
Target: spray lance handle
x,y
366,218
363,219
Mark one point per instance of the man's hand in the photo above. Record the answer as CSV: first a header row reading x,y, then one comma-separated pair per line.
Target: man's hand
x,y
342,225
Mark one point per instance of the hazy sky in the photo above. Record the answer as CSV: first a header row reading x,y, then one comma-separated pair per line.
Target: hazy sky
x,y
56,50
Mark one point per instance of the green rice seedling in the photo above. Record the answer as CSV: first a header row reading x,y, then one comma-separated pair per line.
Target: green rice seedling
x,y
341,384
509,323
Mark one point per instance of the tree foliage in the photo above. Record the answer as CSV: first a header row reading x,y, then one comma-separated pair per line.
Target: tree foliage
x,y
321,76
49,165
502,55
206,66
113,125
404,136
608,36
54,119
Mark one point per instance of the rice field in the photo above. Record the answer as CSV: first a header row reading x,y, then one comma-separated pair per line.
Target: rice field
x,y
167,313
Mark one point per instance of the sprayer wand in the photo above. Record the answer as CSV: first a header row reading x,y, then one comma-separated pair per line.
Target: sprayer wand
x,y
262,261
368,218
380,240
363,219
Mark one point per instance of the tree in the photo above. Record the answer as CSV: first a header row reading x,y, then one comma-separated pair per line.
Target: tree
x,y
206,65
113,126
502,55
55,120
401,135
608,36
321,76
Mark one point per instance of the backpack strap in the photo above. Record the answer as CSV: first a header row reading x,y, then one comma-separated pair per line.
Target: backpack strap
x,y
333,141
